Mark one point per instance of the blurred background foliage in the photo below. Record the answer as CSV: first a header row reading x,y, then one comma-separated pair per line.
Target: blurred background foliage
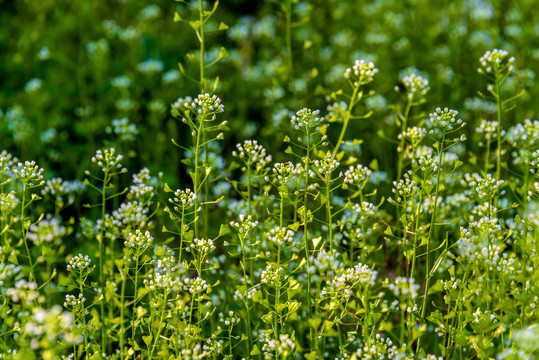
x,y
78,75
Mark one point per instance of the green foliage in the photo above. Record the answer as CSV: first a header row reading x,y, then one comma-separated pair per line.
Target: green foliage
x,y
385,225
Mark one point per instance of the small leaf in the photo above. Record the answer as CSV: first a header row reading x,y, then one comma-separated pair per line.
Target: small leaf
x,y
223,26
177,17
255,351
167,188
147,340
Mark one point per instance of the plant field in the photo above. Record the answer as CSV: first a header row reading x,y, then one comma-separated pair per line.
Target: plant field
x,y
279,179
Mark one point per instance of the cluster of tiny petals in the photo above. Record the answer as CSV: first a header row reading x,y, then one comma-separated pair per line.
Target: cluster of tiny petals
x,y
414,134
139,239
184,198
286,171
446,119
495,59
307,119
272,276
280,236
357,175
342,284
108,160
326,165
404,188
79,262
426,164
252,153
362,72
244,225
415,85
182,103
74,301
488,129
29,173
205,103
195,285
202,245
7,161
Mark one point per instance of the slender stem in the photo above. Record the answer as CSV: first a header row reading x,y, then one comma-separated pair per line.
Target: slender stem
x,y
135,283
122,310
101,255
288,15
306,234
245,297
431,233
329,215
499,119
24,237
160,324
347,116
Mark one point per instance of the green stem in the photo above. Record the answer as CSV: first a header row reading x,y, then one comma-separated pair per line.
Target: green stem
x,y
345,122
160,325
101,255
25,239
431,233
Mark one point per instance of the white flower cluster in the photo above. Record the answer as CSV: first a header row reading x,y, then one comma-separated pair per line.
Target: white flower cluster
x,y
307,119
244,225
415,85
184,198
202,246
7,161
496,60
252,154
357,175
205,104
488,129
404,189
195,285
131,214
284,172
107,160
364,210
361,73
337,111
480,242
142,188
280,236
8,271
326,165
378,348
405,287
229,320
272,276
125,130
426,164
151,66
446,119
29,173
139,241
49,231
342,285
74,301
413,135
284,346
79,263
485,188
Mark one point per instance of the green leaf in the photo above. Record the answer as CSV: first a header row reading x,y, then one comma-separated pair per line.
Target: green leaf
x,y
255,351
177,17
289,150
147,340
223,26
167,188
314,323
195,24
